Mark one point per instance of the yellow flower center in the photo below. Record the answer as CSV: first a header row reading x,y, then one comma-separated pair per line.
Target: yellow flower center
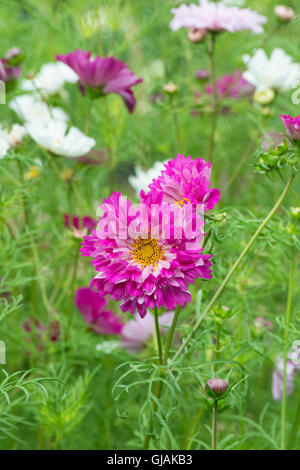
x,y
146,252
182,202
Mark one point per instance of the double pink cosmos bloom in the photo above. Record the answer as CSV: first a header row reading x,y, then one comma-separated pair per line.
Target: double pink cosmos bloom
x,y
143,270
102,75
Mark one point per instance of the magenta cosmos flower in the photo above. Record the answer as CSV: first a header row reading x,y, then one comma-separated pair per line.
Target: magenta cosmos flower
x,y
102,75
139,257
185,181
93,307
232,86
217,17
292,126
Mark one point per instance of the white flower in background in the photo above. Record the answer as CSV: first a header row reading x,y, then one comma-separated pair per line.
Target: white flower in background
x,y
50,79
277,73
4,143
31,108
11,139
52,135
144,178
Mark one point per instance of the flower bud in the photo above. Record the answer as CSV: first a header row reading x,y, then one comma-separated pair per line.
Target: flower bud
x,y
295,212
264,97
202,74
217,386
14,56
284,13
196,35
170,88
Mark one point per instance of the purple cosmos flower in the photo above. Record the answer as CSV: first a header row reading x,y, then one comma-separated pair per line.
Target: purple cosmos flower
x,y
9,65
232,86
292,126
102,75
92,306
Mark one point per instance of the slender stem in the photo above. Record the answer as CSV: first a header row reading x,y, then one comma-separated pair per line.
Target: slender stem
x,y
71,298
189,440
24,202
295,427
88,117
217,352
285,347
235,266
176,124
159,383
214,434
158,337
216,108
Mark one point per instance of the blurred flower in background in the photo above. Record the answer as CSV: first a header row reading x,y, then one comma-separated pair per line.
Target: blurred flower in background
x,y
232,86
293,365
277,73
142,178
217,17
31,108
100,76
51,79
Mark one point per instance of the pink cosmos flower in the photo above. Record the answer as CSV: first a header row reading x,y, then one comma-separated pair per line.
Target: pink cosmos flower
x,y
102,75
140,259
232,86
217,17
9,65
138,331
293,365
292,126
186,181
272,139
79,223
92,305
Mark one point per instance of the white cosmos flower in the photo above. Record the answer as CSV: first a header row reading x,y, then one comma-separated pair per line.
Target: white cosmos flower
x,y
4,143
31,108
50,79
277,73
144,178
53,136
11,139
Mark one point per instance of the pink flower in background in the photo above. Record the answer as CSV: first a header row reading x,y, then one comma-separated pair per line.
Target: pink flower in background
x,y
138,331
102,75
92,305
292,126
10,65
185,180
217,17
202,74
293,365
232,86
79,223
141,271
40,333
272,139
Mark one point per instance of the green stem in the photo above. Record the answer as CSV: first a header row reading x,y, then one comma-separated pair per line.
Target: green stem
x,y
216,109
158,336
189,440
159,383
214,434
235,266
71,298
295,427
176,124
285,347
88,117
